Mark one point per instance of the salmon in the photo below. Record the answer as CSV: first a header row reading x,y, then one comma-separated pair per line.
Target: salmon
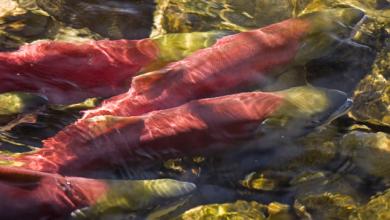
x,y
67,72
30,194
114,134
234,63
105,142
200,127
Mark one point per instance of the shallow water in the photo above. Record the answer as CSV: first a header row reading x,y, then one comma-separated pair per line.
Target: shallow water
x,y
318,156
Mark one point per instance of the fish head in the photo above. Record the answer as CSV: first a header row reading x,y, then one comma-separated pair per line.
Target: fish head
x,y
327,29
126,196
305,108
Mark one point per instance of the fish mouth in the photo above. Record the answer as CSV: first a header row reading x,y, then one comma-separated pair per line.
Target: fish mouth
x,y
340,104
304,109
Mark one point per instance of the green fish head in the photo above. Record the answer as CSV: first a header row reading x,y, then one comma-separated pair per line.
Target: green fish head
x,y
135,195
304,109
328,28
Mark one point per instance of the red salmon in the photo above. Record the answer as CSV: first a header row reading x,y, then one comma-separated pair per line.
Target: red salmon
x,y
67,72
232,64
27,194
70,72
196,127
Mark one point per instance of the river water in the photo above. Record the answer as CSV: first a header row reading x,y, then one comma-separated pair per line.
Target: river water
x,y
323,155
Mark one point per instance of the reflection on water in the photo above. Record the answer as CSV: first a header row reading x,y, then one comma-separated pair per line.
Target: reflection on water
x,y
114,19
175,126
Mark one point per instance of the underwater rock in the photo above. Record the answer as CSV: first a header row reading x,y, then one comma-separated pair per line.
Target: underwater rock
x,y
24,22
178,16
18,26
378,208
260,181
113,19
369,151
276,180
366,5
311,152
238,210
184,166
68,34
328,206
7,6
318,148
372,96
14,103
28,4
321,181
34,195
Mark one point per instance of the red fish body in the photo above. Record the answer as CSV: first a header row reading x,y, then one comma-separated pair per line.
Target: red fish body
x,y
67,72
197,126
29,194
232,64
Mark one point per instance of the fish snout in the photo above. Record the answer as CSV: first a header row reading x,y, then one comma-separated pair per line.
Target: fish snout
x,y
327,29
338,105
304,109
339,21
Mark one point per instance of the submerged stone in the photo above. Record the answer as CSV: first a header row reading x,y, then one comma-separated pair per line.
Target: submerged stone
x,y
114,19
366,5
68,34
378,208
264,181
318,148
18,26
175,16
372,96
369,151
239,210
23,22
328,206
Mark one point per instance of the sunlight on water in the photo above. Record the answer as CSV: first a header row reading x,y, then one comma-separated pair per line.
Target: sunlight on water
x,y
195,109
